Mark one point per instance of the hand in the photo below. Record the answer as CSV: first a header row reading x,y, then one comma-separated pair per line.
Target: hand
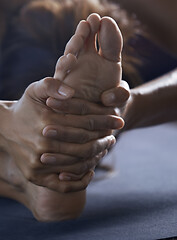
x,y
25,134
81,107
117,97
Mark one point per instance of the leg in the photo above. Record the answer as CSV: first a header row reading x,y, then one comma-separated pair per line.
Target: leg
x,y
90,70
43,203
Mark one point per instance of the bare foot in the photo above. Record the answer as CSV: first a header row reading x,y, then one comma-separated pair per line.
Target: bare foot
x,y
46,205
90,76
85,68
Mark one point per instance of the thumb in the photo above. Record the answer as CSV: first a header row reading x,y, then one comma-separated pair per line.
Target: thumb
x,y
116,97
49,87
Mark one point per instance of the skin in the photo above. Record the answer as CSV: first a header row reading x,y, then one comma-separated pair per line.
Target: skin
x,y
81,58
21,168
88,63
27,172
151,103
133,107
154,102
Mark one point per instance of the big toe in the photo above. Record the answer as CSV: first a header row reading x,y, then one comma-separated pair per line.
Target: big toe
x,y
110,40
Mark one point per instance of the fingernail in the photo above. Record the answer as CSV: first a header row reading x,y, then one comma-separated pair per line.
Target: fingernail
x,y
112,141
118,123
109,98
50,133
64,178
48,159
123,124
66,91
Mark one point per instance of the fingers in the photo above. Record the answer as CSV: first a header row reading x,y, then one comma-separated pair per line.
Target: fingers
x,y
49,87
86,150
68,176
52,182
116,97
73,135
53,159
79,107
48,177
80,168
88,122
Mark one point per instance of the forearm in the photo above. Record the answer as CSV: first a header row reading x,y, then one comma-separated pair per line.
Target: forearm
x,y
153,103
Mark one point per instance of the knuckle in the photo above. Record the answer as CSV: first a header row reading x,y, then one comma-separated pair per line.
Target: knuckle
x,y
47,82
92,150
40,148
31,176
34,163
95,149
84,109
91,124
30,88
43,145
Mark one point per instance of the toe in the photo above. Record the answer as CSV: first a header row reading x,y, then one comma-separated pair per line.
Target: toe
x,y
94,21
76,43
83,29
64,65
110,40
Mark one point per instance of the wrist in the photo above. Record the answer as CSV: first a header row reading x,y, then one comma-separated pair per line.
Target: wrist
x,y
152,103
134,110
